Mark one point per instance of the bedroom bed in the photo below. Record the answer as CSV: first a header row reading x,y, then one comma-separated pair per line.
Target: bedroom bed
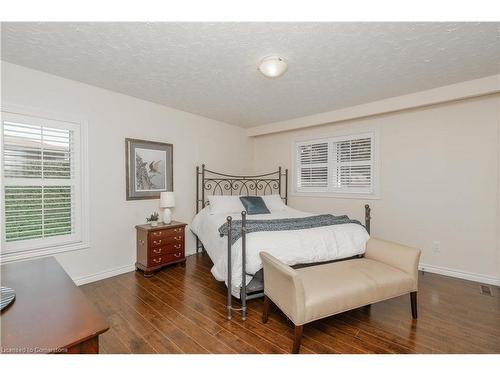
x,y
234,240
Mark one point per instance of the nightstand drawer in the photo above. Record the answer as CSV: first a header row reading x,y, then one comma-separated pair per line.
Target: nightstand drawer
x,y
166,233
157,242
171,248
165,258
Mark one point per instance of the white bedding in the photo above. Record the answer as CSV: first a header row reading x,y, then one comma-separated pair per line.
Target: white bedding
x,y
291,247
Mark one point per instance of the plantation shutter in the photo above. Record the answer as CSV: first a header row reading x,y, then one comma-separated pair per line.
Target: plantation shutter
x,y
312,165
353,164
41,180
335,165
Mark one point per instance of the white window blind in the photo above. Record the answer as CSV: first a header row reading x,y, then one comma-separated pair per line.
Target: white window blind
x,y
353,163
41,182
336,165
313,161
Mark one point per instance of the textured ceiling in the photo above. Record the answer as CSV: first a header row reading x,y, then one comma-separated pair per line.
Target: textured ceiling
x,y
211,68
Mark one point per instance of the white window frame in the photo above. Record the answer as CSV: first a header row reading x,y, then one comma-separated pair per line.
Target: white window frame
x,y
331,191
32,248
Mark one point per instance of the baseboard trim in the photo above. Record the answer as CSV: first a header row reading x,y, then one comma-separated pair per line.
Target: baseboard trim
x,y
112,272
190,252
485,279
103,275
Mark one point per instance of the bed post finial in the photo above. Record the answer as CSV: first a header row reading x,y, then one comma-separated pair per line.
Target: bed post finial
x,y
367,217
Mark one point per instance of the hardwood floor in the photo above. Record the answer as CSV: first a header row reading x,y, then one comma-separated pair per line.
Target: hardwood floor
x,y
182,310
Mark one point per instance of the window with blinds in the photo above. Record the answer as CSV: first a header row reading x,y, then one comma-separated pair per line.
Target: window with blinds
x,y
335,165
41,182
313,161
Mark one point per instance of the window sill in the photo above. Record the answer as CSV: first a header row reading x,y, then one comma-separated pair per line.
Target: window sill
x,y
363,196
41,252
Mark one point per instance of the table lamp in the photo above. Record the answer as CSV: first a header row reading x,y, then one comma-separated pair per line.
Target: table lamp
x,y
167,200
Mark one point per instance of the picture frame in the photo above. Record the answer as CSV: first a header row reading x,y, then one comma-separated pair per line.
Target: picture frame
x,y
148,168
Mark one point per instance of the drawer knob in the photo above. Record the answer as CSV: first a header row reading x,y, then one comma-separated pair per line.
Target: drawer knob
x,y
157,260
178,255
157,242
157,251
177,230
177,246
157,233
178,238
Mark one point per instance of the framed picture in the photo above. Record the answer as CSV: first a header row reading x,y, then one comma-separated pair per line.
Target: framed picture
x,y
149,168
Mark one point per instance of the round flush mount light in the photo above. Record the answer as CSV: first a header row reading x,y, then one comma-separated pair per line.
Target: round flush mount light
x,y
273,66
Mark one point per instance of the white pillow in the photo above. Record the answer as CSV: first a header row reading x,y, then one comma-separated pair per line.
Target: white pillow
x,y
225,204
274,202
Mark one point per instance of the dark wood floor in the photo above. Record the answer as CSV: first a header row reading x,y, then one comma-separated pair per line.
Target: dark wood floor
x,y
182,310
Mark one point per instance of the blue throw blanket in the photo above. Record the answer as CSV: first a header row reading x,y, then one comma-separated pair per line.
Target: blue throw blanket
x,y
275,225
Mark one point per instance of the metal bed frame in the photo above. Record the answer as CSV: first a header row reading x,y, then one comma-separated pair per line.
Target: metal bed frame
x,y
209,182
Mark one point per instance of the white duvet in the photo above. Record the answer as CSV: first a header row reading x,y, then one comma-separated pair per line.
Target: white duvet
x,y
291,247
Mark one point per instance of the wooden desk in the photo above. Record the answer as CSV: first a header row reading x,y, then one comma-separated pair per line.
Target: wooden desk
x,y
50,314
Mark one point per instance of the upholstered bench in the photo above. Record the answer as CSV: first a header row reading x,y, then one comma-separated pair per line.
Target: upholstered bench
x,y
387,270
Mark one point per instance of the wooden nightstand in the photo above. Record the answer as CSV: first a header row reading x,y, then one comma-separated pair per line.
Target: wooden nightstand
x,y
159,246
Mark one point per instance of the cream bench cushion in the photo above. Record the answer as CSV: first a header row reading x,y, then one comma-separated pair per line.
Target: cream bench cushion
x,y
387,270
336,287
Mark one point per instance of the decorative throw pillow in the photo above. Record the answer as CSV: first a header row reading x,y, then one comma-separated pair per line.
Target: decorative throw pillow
x,y
274,202
224,204
254,205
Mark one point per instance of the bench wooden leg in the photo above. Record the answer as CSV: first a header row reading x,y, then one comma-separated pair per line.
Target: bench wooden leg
x,y
413,298
297,338
265,309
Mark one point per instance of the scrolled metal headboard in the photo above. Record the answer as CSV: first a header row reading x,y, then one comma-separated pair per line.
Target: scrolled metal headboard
x,y
209,182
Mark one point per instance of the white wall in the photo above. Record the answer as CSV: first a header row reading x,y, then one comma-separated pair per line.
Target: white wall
x,y
111,118
439,170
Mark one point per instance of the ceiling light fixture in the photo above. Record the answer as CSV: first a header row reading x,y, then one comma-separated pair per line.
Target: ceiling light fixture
x,y
273,66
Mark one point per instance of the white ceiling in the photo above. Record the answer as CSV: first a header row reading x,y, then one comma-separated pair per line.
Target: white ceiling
x,y
211,68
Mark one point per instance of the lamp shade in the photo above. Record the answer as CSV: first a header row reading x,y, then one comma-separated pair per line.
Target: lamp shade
x,y
167,199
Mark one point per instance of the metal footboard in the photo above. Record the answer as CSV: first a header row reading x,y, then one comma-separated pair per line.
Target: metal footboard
x,y
244,297
243,290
